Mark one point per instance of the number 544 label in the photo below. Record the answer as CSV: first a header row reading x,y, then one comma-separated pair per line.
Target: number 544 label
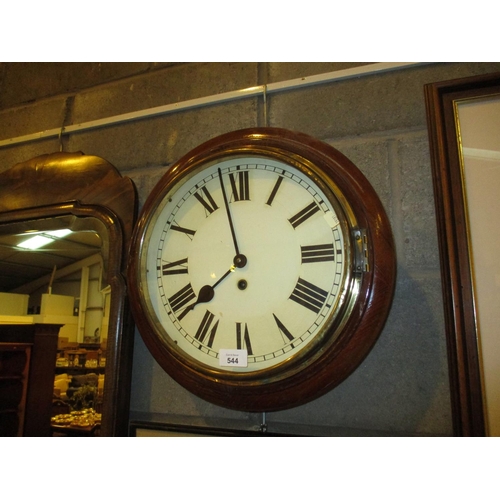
x,y
233,357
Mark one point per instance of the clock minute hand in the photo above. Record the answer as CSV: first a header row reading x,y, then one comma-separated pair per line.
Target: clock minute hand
x,y
240,260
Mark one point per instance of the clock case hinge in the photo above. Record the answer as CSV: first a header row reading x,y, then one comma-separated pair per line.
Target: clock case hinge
x,y
361,261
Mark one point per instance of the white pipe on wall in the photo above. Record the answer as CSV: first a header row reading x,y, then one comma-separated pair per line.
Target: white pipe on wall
x,y
270,88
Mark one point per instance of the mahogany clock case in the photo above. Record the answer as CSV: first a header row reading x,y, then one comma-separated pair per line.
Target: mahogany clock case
x,y
341,351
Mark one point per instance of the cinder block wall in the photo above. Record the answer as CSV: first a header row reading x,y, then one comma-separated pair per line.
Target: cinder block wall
x,y
377,121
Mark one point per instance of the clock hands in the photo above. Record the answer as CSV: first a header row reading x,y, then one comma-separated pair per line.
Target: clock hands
x,y
240,260
206,293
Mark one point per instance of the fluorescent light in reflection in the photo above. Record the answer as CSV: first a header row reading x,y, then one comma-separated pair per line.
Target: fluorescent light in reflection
x,y
40,240
35,242
60,233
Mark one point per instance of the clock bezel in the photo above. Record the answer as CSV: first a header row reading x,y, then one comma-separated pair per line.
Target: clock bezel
x,y
321,367
345,298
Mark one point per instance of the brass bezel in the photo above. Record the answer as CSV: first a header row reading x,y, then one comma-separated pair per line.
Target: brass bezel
x,y
350,285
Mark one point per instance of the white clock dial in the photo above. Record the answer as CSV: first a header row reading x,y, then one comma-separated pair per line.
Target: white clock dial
x,y
263,272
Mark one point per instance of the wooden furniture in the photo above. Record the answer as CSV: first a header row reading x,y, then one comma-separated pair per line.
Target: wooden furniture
x,y
27,368
14,368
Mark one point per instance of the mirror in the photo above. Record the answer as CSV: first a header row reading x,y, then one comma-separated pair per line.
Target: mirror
x,y
75,280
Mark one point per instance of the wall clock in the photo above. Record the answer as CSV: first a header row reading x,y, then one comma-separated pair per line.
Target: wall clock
x,y
262,269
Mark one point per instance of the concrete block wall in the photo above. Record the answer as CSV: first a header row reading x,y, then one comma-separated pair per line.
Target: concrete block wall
x,y
378,121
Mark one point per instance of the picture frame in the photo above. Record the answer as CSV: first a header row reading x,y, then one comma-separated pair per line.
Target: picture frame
x,y
463,119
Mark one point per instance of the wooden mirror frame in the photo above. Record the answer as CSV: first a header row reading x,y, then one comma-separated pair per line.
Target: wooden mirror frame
x,y
60,184
454,246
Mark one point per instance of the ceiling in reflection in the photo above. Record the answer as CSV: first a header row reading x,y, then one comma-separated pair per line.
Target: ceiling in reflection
x,y
19,266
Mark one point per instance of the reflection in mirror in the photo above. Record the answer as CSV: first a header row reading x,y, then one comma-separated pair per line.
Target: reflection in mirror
x,y
53,272
65,335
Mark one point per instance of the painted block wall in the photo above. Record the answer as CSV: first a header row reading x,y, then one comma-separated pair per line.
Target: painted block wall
x,y
377,121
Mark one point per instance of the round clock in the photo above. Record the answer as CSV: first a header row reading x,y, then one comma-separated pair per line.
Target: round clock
x,y
262,269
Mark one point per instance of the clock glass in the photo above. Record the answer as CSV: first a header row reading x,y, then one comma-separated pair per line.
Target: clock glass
x,y
245,263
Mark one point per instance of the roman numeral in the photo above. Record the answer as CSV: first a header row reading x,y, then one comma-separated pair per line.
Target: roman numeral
x,y
303,215
283,329
274,191
180,299
240,186
209,204
176,267
317,253
243,338
204,327
184,230
308,295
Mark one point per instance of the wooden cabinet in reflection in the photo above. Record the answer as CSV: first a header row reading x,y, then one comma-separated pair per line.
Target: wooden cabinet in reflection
x,y
27,368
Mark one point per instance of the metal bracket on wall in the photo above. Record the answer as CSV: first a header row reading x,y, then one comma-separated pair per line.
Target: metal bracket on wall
x,y
263,425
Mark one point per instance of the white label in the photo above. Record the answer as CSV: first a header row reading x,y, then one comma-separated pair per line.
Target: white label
x,y
233,357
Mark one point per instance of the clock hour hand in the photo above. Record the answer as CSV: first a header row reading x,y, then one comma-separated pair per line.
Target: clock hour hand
x,y
207,293
240,260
